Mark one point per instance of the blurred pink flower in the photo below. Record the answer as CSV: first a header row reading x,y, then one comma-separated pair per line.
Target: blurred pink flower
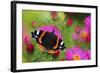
x,y
82,35
75,36
87,22
34,23
28,43
51,28
85,36
88,53
26,39
77,53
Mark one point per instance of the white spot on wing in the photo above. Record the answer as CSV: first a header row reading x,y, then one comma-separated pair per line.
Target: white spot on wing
x,y
60,47
62,43
38,32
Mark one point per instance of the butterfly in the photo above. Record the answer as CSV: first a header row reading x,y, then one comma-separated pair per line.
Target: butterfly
x,y
48,40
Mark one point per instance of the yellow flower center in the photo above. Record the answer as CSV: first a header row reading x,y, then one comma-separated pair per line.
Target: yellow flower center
x,y
76,57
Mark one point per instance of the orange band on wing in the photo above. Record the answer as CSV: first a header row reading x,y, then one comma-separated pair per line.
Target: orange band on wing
x,y
43,49
51,51
41,37
57,42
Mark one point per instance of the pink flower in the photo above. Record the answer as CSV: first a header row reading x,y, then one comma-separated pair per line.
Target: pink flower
x,y
77,53
88,53
85,36
75,36
34,23
26,39
82,35
87,22
28,43
51,28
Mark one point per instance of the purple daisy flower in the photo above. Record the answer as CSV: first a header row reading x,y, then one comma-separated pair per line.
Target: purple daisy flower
x,y
76,53
88,53
51,28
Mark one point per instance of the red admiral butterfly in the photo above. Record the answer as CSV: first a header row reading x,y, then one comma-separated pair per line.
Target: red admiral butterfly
x,y
48,40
